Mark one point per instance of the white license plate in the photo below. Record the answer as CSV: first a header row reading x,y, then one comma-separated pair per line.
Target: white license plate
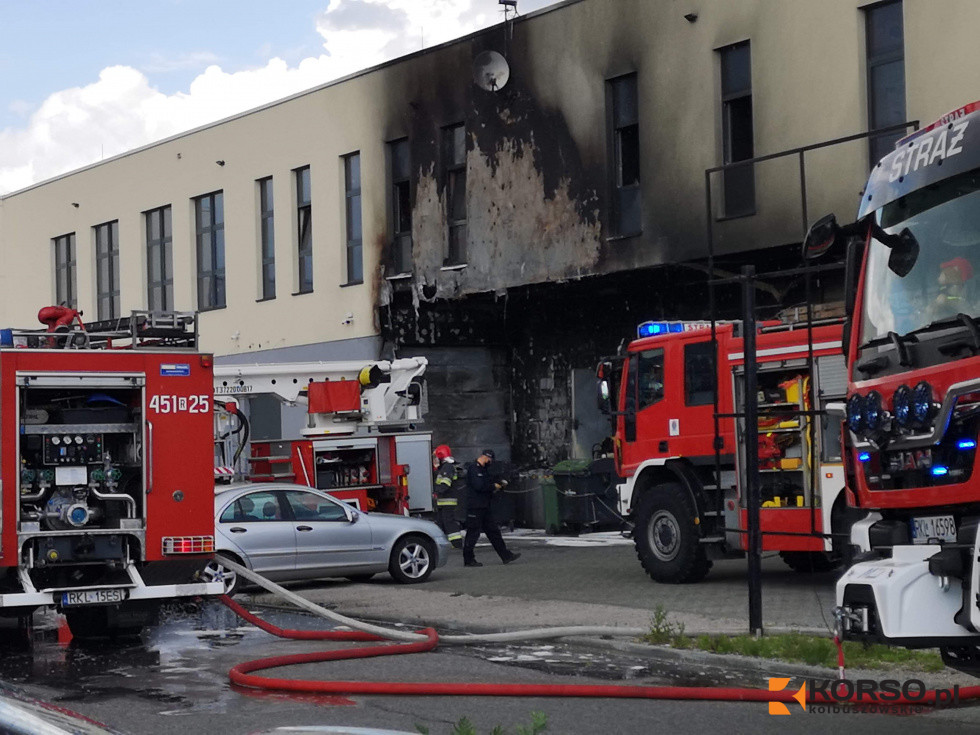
x,y
933,528
92,597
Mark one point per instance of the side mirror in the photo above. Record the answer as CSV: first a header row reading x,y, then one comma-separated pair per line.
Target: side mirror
x,y
904,254
821,237
352,515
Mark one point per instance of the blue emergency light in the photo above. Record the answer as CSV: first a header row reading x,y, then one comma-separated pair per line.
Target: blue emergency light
x,y
966,444
940,471
654,329
6,337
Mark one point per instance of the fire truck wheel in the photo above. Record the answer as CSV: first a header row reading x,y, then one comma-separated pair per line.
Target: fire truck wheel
x,y
412,559
666,536
810,562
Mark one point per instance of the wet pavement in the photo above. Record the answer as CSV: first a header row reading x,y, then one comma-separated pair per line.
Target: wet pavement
x,y
174,679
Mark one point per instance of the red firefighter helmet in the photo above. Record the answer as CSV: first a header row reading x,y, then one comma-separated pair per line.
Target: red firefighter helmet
x,y
442,452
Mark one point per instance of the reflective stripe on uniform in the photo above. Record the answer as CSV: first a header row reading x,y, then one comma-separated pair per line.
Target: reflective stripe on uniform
x,y
443,480
447,501
454,536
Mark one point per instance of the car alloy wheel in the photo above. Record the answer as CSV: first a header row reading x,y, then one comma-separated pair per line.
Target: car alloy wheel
x,y
216,572
414,560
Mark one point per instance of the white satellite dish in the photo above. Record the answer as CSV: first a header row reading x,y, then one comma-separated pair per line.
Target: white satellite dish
x,y
490,71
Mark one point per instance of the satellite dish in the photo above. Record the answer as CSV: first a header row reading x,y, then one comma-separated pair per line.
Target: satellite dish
x,y
490,71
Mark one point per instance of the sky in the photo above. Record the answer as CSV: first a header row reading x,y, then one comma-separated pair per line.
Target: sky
x,y
84,80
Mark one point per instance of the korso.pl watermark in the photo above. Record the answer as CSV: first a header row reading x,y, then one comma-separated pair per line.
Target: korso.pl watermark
x,y
863,696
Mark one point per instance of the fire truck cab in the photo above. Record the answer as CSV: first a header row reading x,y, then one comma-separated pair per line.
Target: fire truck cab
x,y
106,507
913,408
363,441
685,503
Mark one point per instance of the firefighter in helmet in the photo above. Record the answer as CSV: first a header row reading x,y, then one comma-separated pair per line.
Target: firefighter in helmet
x,y
447,480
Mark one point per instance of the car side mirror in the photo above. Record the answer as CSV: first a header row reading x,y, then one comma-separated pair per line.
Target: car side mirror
x,y
353,515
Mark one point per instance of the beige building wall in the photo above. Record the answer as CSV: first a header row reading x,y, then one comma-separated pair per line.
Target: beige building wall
x,y
808,85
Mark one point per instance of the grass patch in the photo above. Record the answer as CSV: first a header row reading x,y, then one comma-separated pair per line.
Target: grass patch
x,y
797,647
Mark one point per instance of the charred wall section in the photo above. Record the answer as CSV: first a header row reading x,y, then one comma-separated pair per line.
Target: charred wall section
x,y
501,365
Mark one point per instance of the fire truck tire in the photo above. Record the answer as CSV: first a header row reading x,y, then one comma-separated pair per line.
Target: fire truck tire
x,y
810,562
666,536
412,559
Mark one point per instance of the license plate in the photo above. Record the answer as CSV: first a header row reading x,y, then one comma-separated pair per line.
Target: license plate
x,y
92,597
933,528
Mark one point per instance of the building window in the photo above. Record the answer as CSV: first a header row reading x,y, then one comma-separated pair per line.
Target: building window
x,y
626,205
107,270
209,218
886,75
737,133
352,194
454,168
66,293
304,214
267,236
159,260
400,175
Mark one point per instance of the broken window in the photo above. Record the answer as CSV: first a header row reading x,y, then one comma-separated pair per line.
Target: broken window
x,y
737,132
352,194
64,268
626,206
304,215
267,236
159,259
454,165
886,75
401,206
107,269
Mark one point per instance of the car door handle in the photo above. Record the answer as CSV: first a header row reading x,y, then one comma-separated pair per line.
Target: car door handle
x,y
304,528
237,529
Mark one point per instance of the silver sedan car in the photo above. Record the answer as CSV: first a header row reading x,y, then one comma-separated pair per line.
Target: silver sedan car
x,y
292,532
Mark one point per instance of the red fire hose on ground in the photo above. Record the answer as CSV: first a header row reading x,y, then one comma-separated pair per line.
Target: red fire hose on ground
x,y
428,639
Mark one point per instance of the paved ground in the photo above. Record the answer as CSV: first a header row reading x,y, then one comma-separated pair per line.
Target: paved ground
x,y
589,580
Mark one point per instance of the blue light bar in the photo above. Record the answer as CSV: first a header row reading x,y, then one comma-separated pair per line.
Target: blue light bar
x,y
6,337
652,329
676,327
940,471
864,456
966,444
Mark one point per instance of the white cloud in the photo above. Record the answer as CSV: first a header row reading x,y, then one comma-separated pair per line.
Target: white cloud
x,y
122,110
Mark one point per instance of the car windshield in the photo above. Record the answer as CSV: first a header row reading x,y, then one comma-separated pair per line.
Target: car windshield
x,y
945,219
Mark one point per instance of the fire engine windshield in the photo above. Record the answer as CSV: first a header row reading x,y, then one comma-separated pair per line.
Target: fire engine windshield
x,y
945,280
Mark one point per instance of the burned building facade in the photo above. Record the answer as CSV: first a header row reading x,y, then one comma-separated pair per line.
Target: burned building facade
x,y
511,204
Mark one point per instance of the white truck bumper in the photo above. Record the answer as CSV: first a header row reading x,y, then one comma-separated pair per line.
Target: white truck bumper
x,y
898,601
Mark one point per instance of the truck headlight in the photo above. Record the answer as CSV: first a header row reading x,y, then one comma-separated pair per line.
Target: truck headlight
x,y
855,413
873,413
921,409
902,405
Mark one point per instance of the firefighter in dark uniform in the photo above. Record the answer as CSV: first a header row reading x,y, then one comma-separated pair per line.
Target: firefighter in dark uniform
x,y
445,493
480,486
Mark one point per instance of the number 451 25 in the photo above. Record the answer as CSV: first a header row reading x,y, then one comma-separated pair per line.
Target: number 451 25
x,y
181,404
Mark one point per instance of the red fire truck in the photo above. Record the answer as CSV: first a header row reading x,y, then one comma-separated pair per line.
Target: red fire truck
x,y
98,519
913,407
363,440
684,511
